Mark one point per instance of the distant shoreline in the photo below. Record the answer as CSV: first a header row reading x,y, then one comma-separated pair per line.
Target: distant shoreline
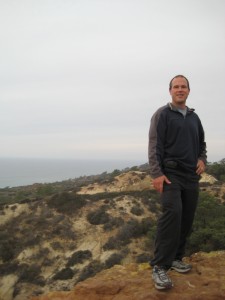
x,y
25,171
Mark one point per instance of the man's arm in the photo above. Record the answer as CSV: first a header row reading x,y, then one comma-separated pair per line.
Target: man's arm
x,y
202,159
156,151
202,144
156,144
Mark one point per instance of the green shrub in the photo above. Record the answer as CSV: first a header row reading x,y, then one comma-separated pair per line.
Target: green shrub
x,y
31,240
64,274
13,207
41,254
7,250
64,231
47,262
98,217
151,204
114,259
147,224
56,245
152,232
31,274
208,228
79,257
44,190
142,258
8,268
90,270
132,229
114,243
217,169
67,203
137,210
113,223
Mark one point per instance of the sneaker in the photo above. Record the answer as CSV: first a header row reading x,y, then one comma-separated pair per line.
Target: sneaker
x,y
160,278
180,266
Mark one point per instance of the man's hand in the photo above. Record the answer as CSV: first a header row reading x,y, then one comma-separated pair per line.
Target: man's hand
x,y
200,167
158,182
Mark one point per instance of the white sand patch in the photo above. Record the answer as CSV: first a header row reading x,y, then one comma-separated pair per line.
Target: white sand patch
x,y
7,284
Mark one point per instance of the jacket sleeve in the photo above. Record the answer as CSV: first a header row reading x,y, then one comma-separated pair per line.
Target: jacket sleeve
x,y
202,144
156,144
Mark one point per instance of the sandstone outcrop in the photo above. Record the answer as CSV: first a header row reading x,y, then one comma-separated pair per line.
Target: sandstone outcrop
x,y
129,181
208,178
206,281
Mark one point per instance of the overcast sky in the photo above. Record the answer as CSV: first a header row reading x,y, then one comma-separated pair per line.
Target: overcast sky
x,y
82,78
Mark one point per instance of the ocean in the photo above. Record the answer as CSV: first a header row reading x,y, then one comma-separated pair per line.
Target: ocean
x,y
25,171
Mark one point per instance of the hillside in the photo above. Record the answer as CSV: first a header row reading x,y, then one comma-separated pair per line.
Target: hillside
x,y
55,236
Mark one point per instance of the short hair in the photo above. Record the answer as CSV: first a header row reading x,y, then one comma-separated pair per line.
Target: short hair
x,y
170,85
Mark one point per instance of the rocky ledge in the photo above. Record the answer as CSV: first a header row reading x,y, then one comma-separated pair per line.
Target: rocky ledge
x,y
206,281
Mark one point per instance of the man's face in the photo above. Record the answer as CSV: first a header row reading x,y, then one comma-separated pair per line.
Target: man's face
x,y
179,91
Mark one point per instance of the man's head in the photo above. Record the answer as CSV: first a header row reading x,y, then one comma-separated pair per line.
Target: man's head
x,y
177,76
179,90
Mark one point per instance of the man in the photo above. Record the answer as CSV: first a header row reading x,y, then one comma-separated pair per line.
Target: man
x,y
177,158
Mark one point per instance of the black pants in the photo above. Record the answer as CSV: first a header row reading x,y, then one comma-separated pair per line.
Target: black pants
x,y
179,202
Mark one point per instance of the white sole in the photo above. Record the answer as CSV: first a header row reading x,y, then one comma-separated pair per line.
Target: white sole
x,y
163,287
159,287
179,270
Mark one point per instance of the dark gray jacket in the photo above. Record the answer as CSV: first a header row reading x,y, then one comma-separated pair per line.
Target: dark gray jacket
x,y
173,137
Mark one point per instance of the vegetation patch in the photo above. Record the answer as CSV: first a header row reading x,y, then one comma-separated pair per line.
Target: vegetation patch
x,y
79,257
99,216
8,246
143,258
114,222
132,229
137,210
31,274
91,270
67,203
208,228
8,268
65,274
114,259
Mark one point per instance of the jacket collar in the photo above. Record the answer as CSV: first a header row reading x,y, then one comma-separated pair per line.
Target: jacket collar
x,y
174,108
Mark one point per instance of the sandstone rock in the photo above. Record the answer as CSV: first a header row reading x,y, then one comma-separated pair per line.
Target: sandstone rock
x,y
7,287
206,281
208,178
128,181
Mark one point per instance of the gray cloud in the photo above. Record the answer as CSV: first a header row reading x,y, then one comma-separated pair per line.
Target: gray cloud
x,y
82,78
